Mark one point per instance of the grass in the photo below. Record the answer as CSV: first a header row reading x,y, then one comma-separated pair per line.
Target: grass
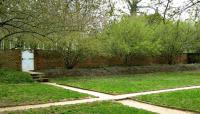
x,y
14,77
91,108
18,88
187,100
133,83
23,94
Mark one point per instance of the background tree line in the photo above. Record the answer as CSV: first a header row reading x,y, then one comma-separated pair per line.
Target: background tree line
x,y
79,29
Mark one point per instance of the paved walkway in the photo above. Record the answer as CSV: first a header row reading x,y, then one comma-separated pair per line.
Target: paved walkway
x,y
47,105
93,93
153,92
152,108
124,96
106,97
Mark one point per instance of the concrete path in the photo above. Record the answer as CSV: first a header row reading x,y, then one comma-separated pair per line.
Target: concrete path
x,y
106,97
118,97
124,96
152,108
47,105
130,103
93,93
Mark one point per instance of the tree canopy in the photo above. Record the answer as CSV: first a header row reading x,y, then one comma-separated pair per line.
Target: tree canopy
x,y
78,29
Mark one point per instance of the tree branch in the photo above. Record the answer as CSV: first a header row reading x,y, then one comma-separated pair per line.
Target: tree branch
x,y
19,32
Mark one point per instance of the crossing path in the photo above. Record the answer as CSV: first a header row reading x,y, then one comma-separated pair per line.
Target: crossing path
x,y
106,97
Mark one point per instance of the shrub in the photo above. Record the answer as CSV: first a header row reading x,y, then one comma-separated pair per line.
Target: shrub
x,y
13,77
132,36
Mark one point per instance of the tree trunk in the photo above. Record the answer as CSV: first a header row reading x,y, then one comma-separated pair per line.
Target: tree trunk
x,y
133,6
126,59
67,63
171,59
71,61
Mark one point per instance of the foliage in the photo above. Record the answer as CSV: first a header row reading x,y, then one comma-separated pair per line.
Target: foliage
x,y
13,77
70,35
197,37
24,17
129,37
148,35
77,46
154,19
175,39
41,19
73,28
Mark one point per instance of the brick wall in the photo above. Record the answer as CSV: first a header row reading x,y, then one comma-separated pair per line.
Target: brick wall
x,y
10,59
137,60
181,59
47,60
51,60
100,62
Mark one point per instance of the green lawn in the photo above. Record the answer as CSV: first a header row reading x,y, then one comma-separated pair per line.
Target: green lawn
x,y
8,76
18,88
133,83
188,99
91,108
23,94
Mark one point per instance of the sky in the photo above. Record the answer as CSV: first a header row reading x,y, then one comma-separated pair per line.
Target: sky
x,y
120,4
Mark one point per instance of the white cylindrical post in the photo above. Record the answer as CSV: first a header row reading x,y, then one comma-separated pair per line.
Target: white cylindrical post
x,y
10,45
56,45
38,46
2,44
24,45
43,47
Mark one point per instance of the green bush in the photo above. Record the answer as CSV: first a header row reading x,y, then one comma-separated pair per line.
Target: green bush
x,y
132,36
12,76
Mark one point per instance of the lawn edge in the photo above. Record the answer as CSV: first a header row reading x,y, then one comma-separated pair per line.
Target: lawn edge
x,y
124,93
165,106
71,99
86,89
45,102
111,101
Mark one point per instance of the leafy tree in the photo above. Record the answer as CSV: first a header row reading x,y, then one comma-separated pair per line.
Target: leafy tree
x,y
154,19
196,45
175,39
129,37
81,18
76,47
63,25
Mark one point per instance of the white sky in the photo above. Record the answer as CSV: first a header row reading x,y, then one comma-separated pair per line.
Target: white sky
x,y
120,4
